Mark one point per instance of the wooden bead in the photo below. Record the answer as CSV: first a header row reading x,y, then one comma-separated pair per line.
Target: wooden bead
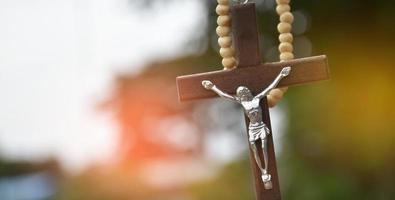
x,y
284,27
223,2
229,63
225,41
287,17
283,8
283,1
285,47
227,52
277,94
286,37
222,9
286,56
272,101
223,31
223,20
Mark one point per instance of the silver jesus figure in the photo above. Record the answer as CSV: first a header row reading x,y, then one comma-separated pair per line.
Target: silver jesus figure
x,y
257,129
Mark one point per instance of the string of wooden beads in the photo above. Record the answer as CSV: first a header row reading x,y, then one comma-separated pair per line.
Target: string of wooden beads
x,y
286,48
223,31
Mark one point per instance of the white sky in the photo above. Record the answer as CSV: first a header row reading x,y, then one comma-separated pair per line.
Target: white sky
x,y
58,59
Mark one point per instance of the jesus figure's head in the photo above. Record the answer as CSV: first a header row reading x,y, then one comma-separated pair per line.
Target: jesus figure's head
x,y
244,93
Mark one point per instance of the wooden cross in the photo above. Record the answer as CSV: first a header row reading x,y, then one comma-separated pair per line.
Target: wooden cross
x,y
251,73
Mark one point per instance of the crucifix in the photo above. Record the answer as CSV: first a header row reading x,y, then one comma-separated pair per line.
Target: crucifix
x,y
248,84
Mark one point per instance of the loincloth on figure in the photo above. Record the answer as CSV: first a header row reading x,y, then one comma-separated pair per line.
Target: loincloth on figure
x,y
258,131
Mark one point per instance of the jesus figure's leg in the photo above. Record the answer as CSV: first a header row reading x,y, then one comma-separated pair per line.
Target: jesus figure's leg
x,y
265,153
256,155
265,176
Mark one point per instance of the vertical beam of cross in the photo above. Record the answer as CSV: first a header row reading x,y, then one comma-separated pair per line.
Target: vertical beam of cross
x,y
246,43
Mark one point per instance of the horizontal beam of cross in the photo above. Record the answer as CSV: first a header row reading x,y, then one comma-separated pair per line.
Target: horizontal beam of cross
x,y
256,78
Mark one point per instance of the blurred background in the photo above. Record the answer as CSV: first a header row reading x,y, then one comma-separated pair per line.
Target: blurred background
x,y
89,110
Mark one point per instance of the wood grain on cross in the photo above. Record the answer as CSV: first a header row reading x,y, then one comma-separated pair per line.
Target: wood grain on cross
x,y
255,75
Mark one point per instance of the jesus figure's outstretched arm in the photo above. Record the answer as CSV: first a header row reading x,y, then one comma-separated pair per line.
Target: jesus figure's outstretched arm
x,y
210,86
284,73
